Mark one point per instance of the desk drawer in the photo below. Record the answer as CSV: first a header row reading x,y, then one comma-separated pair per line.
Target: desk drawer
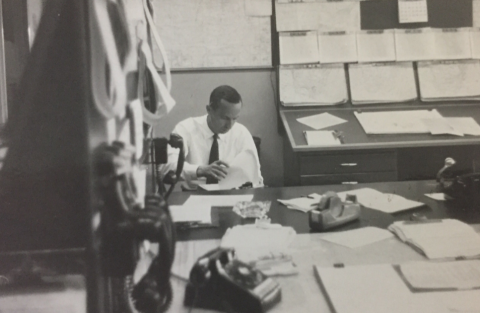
x,y
312,164
356,178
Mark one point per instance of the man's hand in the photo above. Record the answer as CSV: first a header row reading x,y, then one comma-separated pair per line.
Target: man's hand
x,y
217,170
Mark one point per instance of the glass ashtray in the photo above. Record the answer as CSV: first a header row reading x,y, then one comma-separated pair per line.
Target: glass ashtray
x,y
252,209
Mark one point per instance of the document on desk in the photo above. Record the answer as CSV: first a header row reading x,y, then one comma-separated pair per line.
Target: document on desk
x,y
358,237
465,125
376,45
382,82
440,80
322,120
385,202
217,200
323,16
298,47
242,169
374,289
396,122
312,85
439,239
199,212
441,126
303,204
322,138
337,47
442,275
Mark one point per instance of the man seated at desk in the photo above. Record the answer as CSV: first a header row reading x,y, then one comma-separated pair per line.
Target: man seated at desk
x,y
213,141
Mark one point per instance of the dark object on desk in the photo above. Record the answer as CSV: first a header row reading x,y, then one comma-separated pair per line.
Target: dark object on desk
x,y
220,282
332,212
458,185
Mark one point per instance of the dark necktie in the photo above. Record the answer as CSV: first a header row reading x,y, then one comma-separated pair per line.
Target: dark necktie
x,y
214,156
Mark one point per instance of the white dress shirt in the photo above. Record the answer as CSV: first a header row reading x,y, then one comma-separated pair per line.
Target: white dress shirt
x,y
198,138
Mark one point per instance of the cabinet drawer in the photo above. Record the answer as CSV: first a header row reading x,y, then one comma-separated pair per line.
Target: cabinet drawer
x,y
347,163
355,178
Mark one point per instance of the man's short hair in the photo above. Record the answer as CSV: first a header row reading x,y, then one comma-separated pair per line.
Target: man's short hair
x,y
226,93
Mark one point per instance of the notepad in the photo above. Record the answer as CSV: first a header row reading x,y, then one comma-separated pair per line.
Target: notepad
x,y
437,239
322,138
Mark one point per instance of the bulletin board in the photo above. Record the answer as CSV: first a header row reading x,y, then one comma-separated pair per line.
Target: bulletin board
x,y
206,34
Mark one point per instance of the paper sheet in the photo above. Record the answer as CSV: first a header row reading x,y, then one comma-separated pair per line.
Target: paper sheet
x,y
242,169
442,275
320,84
321,138
323,16
475,40
258,7
337,47
449,79
396,122
466,125
298,48
440,196
191,213
385,202
414,44
440,126
412,11
303,204
321,120
373,289
452,43
358,237
217,200
476,13
376,45
382,82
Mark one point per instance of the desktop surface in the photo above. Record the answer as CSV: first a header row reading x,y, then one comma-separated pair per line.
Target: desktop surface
x,y
413,190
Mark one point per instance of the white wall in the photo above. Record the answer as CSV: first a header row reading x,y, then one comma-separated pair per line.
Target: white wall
x,y
192,90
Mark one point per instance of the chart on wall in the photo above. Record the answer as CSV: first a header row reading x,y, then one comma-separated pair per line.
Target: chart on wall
x,y
213,34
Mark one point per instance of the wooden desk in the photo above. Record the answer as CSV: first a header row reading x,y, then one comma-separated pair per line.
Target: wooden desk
x,y
372,158
300,293
413,190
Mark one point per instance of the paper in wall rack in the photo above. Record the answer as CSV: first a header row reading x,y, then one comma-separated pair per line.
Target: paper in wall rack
x,y
312,85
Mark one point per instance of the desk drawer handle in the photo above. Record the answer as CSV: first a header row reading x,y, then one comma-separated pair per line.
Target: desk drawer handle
x,y
349,182
348,164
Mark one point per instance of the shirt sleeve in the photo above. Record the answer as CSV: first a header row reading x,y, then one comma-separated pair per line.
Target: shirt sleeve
x,y
247,143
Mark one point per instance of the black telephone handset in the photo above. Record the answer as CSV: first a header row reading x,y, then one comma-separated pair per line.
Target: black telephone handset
x,y
125,224
220,282
458,185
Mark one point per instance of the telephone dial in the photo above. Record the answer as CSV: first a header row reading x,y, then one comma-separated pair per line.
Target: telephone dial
x,y
125,224
220,282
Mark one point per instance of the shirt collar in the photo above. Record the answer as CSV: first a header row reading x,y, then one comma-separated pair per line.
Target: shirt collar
x,y
206,131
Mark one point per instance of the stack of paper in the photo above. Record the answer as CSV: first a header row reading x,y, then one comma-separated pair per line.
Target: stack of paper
x,y
446,238
303,204
199,213
322,138
449,80
385,202
442,275
358,237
